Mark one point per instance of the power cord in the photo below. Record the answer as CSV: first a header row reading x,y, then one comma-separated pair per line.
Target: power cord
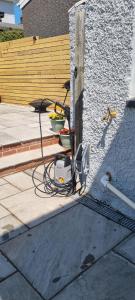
x,y
48,184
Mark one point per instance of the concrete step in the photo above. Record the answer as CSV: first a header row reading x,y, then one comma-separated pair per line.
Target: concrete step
x,y
28,159
26,145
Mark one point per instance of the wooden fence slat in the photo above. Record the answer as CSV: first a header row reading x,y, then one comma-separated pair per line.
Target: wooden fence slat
x,y
38,65
34,69
35,51
32,40
48,59
33,47
17,43
51,55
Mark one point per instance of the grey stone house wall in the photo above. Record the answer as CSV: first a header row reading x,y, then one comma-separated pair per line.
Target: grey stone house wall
x,y
47,17
109,82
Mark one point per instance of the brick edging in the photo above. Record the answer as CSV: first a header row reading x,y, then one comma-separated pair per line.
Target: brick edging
x,y
27,145
29,164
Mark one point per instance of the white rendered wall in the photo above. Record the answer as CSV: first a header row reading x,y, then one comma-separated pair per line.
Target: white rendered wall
x,y
8,9
109,81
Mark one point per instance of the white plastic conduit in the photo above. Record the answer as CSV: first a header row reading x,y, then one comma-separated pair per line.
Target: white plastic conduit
x,y
105,180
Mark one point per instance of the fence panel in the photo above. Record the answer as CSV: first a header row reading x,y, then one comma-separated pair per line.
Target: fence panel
x,y
33,68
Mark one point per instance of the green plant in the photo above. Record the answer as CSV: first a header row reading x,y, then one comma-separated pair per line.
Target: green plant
x,y
11,34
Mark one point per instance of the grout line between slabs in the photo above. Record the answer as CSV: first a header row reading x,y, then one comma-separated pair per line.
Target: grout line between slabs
x,y
8,182
7,277
11,213
18,271
88,268
30,228
123,256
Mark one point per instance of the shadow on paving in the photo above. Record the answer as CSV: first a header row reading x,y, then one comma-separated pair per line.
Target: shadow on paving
x,y
46,255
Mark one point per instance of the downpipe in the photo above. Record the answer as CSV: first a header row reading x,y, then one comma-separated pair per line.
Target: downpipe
x,y
106,182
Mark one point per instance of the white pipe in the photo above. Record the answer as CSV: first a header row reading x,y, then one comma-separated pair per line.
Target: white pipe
x,y
106,183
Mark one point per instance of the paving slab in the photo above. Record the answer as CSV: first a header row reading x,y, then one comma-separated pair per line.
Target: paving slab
x,y
3,212
8,108
40,169
52,254
32,210
21,134
17,288
2,181
6,268
127,248
9,228
21,180
6,139
11,123
2,127
14,120
19,158
7,190
111,278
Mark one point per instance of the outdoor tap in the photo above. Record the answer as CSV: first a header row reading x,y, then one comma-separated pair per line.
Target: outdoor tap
x,y
110,114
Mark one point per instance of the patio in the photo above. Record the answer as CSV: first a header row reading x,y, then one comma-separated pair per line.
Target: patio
x,y
56,248
20,138
21,123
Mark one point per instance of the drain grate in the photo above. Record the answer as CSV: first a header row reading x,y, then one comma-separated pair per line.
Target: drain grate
x,y
108,212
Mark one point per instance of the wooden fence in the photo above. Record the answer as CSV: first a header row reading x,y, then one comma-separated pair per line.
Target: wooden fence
x,y
33,68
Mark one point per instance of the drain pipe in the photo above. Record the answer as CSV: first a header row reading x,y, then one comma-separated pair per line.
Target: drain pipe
x,y
105,180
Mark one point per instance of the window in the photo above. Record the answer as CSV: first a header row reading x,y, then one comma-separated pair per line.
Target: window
x,y
1,15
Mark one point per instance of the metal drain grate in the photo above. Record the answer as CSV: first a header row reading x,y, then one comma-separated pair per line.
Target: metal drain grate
x,y
108,212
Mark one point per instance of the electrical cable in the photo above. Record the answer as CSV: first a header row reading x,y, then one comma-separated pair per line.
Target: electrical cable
x,y
48,184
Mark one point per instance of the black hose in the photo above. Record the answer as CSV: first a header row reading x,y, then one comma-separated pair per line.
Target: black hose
x,y
50,186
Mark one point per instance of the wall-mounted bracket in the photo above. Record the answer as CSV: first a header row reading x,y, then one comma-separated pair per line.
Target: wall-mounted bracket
x,y
81,160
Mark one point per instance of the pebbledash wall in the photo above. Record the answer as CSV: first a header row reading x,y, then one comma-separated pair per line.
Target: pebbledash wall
x,y
109,81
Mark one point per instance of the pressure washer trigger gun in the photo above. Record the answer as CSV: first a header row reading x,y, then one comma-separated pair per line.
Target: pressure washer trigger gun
x,y
65,108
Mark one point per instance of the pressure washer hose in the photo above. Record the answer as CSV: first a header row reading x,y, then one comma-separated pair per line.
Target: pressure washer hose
x,y
48,185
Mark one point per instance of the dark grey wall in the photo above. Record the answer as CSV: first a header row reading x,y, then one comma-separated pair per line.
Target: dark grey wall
x,y
47,17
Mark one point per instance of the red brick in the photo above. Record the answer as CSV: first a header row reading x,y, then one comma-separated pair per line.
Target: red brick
x,y
9,152
23,149
32,147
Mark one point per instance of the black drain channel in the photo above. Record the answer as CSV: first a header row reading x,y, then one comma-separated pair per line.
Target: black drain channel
x,y
108,212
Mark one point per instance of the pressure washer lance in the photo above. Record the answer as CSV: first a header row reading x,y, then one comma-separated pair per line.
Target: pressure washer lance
x,y
60,177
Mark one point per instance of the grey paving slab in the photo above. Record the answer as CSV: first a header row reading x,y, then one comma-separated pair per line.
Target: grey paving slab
x,y
7,190
8,108
36,125
18,158
40,169
9,228
17,288
3,212
21,180
127,248
6,138
2,181
32,210
2,127
21,134
13,124
52,254
111,278
10,123
6,268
